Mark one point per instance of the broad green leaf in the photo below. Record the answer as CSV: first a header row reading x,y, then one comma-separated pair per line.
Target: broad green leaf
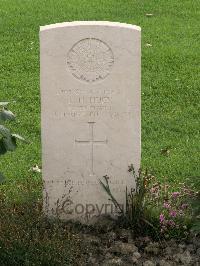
x,y
6,115
4,131
4,103
10,143
19,137
3,149
2,178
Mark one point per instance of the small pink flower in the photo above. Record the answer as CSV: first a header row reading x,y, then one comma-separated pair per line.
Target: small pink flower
x,y
162,218
171,223
173,213
184,206
175,194
166,205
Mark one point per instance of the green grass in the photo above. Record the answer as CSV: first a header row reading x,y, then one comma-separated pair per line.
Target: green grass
x,y
170,85
170,81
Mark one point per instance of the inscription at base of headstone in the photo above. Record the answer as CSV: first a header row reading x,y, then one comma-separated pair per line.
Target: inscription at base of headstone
x,y
90,104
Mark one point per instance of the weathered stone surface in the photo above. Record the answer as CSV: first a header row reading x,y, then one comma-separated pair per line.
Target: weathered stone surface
x,y
185,258
113,261
90,96
198,252
165,263
123,248
137,255
149,263
153,248
125,235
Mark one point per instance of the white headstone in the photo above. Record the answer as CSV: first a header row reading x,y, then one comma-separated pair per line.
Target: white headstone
x,y
90,96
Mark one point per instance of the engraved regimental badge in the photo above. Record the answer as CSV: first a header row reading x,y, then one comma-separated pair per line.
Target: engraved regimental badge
x,y
90,60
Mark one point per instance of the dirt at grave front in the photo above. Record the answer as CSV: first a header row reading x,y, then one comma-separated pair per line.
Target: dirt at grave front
x,y
109,245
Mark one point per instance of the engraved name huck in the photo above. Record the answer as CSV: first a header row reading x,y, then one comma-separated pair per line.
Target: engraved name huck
x,y
90,109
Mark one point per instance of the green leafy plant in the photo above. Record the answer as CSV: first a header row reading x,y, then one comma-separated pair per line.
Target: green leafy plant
x,y
136,212
136,203
8,141
156,209
195,203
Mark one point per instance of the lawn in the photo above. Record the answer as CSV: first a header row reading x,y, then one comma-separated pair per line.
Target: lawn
x,y
170,84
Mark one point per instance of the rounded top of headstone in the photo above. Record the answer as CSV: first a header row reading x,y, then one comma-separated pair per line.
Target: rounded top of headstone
x,y
90,23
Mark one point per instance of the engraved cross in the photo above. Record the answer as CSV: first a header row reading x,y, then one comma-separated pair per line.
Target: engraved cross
x,y
91,141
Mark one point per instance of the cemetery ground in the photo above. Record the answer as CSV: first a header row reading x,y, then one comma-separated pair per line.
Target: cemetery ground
x,y
170,122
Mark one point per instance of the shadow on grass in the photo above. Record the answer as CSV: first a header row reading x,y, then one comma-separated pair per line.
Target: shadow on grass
x,y
28,238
